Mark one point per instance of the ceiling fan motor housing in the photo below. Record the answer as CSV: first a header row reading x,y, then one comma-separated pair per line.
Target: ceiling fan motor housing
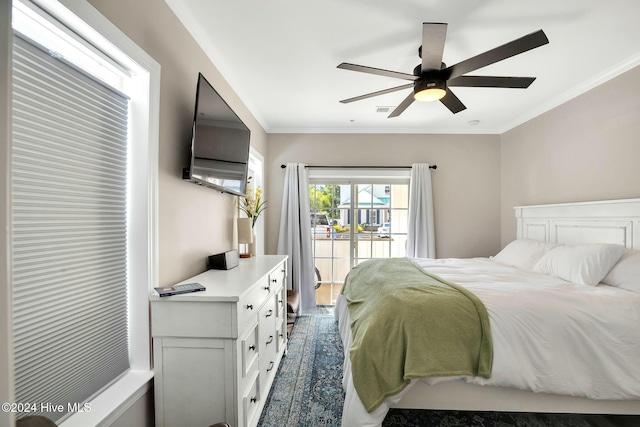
x,y
430,79
428,82
417,71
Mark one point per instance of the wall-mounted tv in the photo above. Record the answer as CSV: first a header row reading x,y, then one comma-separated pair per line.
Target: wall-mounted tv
x,y
219,144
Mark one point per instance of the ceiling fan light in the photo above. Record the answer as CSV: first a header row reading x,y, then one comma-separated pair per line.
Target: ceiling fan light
x,y
429,95
429,90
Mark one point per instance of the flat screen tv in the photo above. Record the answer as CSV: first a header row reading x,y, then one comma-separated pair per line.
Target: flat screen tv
x,y
219,144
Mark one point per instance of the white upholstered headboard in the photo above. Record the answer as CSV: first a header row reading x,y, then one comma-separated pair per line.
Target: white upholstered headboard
x,y
607,221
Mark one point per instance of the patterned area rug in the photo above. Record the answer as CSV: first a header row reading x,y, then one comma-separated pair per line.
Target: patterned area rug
x,y
307,390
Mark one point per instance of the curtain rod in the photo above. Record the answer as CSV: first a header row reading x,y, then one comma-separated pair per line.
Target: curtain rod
x,y
362,167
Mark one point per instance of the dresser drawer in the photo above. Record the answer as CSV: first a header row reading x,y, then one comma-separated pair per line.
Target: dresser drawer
x,y
281,342
249,305
251,402
249,348
267,326
191,319
268,368
281,303
276,278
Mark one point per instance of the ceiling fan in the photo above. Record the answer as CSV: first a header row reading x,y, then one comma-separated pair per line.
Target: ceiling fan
x,y
432,79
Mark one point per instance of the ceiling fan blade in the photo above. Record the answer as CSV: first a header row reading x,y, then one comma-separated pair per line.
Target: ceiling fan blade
x,y
380,92
515,47
377,71
433,37
403,106
452,102
489,81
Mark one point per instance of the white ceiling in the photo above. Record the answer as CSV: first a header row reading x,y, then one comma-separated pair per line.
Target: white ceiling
x,y
280,57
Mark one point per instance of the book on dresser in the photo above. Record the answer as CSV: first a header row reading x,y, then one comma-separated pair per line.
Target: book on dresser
x,y
216,351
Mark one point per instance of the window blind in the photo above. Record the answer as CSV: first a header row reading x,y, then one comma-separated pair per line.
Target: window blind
x,y
69,232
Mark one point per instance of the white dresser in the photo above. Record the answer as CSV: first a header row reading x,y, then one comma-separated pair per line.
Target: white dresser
x,y
216,352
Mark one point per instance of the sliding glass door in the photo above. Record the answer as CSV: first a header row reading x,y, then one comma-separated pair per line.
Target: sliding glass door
x,y
353,221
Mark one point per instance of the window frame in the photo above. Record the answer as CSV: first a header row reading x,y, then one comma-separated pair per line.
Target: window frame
x,y
256,169
6,351
355,177
142,243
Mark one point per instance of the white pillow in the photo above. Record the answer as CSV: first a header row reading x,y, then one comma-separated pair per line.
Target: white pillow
x,y
523,253
581,264
626,273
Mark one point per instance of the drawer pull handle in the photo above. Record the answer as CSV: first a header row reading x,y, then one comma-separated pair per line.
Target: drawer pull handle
x,y
269,313
281,335
270,339
274,280
280,301
253,347
254,399
270,366
267,288
250,306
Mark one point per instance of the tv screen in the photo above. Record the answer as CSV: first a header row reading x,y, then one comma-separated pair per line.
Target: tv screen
x,y
219,145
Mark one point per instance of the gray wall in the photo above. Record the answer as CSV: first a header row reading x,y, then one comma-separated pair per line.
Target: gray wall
x,y
585,149
466,185
194,221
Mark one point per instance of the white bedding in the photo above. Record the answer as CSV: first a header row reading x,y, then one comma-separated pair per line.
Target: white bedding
x,y
549,335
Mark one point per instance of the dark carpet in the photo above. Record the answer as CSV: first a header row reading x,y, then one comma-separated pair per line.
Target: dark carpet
x,y
307,390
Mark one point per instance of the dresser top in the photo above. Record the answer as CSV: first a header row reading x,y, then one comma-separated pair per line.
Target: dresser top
x,y
227,285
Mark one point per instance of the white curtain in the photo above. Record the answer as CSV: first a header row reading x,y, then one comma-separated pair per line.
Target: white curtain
x,y
421,242
294,238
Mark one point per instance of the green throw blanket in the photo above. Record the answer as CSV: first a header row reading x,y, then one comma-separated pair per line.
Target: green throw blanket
x,y
407,323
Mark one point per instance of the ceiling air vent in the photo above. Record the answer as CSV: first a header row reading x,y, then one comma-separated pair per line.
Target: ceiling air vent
x,y
383,109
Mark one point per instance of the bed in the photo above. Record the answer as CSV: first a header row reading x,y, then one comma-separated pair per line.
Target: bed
x,y
579,367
